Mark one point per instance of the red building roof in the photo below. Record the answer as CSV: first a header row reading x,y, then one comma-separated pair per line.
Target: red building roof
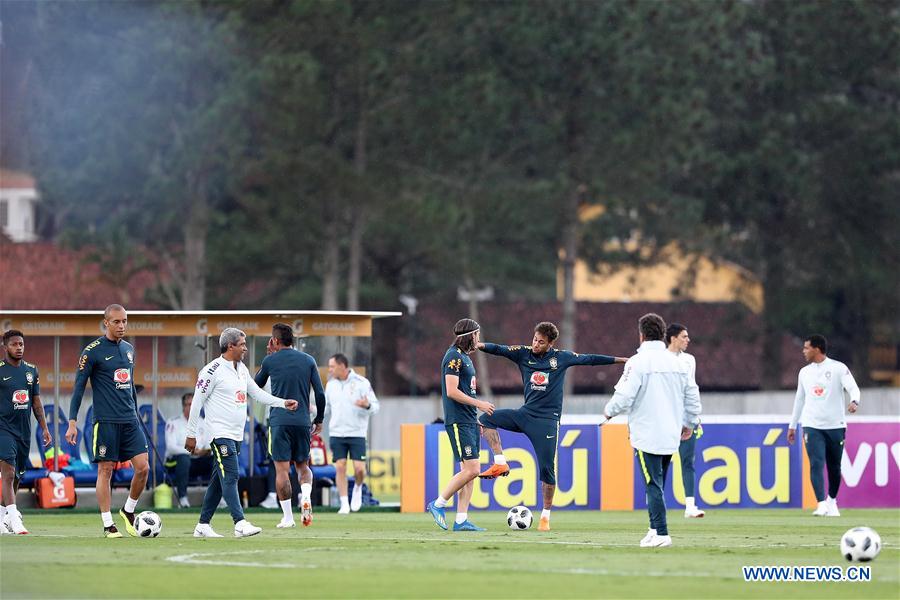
x,y
43,276
726,340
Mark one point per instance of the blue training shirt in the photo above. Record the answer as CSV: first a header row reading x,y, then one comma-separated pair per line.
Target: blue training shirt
x,y
293,373
109,366
543,376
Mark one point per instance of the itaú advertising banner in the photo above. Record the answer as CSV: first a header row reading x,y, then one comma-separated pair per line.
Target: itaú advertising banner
x,y
740,465
577,474
741,461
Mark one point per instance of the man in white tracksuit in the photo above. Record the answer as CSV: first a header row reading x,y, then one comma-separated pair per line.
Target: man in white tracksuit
x,y
222,389
678,340
663,406
351,401
819,405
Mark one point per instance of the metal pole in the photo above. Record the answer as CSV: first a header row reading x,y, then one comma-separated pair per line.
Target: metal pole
x,y
56,409
153,419
252,357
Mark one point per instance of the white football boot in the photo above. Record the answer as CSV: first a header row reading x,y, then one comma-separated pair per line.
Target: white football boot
x,y
650,534
245,528
205,530
831,508
657,541
821,509
286,524
15,524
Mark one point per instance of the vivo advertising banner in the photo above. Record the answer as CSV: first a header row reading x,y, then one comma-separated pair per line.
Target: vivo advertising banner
x,y
870,467
737,465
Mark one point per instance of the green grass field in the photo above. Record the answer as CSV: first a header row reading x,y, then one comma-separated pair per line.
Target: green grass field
x,y
393,555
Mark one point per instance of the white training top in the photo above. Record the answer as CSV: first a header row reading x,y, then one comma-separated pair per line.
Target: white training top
x,y
347,419
661,396
691,363
819,402
176,432
223,391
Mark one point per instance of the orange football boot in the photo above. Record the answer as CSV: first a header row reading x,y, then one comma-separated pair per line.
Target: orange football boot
x,y
495,471
544,525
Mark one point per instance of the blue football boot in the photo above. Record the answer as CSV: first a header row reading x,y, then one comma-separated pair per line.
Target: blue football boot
x,y
467,525
438,515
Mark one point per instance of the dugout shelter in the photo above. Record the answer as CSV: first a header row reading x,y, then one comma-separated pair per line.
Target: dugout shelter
x,y
170,347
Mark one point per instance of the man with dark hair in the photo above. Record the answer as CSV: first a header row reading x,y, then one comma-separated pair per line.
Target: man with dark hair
x,y
178,458
677,339
819,405
351,401
458,392
293,374
543,370
108,362
663,406
20,395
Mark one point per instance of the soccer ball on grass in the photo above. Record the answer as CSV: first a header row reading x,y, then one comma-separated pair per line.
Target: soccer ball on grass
x,y
519,517
148,524
860,544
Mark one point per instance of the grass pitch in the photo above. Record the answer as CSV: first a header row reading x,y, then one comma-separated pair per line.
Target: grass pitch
x,y
393,555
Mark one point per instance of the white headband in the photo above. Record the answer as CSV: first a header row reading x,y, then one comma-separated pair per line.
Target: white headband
x,y
468,333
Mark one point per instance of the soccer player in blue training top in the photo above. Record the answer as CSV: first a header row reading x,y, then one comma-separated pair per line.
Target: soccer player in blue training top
x,y
108,362
20,395
458,390
293,373
543,369
678,340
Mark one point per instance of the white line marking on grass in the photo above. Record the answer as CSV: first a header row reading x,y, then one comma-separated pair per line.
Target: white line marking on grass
x,y
490,540
196,558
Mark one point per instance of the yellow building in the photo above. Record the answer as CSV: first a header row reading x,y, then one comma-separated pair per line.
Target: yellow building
x,y
674,276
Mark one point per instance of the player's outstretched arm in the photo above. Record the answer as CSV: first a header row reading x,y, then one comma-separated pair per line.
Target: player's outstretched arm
x,y
513,353
596,360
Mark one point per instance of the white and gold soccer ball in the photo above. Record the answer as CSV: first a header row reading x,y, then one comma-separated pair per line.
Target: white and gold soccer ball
x,y
519,517
148,524
860,544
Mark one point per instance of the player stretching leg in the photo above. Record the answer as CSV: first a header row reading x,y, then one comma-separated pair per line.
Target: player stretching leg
x,y
543,369
458,389
20,391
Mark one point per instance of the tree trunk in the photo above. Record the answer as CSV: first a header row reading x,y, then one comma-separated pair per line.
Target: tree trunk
x,y
331,267
568,259
774,283
484,376
193,291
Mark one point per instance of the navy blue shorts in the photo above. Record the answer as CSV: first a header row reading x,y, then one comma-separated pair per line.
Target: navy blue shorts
x,y
543,434
289,442
118,441
465,441
341,447
14,451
